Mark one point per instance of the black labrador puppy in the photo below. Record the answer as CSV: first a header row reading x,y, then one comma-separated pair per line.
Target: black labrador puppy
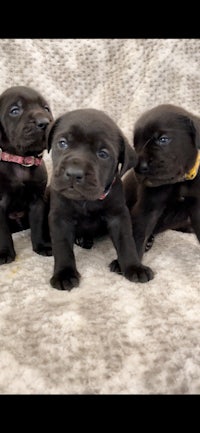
x,y
166,139
24,117
87,194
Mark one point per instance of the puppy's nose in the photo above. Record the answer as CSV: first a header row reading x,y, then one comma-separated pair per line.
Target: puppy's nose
x,y
142,167
75,173
42,122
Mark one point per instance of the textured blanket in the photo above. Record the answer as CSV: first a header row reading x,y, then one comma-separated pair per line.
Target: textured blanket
x,y
108,336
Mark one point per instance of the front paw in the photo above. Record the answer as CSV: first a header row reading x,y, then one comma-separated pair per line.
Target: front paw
x,y
139,273
149,243
44,249
7,256
114,267
84,242
65,279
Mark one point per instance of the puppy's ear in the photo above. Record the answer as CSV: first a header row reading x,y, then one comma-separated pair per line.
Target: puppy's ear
x,y
50,132
2,134
127,156
191,125
195,121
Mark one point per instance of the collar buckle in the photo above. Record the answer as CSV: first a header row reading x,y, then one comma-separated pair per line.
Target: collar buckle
x,y
31,163
194,170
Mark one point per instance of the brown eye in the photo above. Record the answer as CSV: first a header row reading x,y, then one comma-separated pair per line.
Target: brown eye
x,y
47,108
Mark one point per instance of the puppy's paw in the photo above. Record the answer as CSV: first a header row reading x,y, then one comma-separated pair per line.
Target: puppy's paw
x,y
136,274
149,243
84,242
139,274
65,279
114,267
44,249
7,256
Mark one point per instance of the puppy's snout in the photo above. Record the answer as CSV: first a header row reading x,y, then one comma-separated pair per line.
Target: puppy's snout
x,y
142,167
75,174
42,122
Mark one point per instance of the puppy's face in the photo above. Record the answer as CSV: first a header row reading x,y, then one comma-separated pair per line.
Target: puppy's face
x,y
166,139
24,117
87,148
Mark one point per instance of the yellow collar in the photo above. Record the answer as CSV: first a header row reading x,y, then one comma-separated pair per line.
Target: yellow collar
x,y
194,170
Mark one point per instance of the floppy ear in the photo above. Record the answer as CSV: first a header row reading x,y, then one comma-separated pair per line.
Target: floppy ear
x,y
1,133
196,130
127,156
3,138
49,133
192,125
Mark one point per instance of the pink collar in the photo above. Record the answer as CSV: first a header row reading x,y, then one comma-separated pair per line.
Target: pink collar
x,y
26,161
106,192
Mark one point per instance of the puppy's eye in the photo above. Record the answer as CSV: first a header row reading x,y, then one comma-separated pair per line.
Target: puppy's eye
x,y
103,154
15,110
163,139
62,144
47,108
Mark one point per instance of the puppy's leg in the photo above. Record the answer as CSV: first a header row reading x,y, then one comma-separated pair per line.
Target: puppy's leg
x,y
7,252
175,217
65,275
145,215
37,212
143,226
128,262
149,242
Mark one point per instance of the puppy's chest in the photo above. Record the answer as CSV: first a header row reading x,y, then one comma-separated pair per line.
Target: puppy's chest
x,y
87,214
21,175
16,188
13,176
188,189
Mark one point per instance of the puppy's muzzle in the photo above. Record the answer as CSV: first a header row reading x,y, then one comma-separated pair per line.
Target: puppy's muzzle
x,y
36,125
42,122
142,167
78,179
75,175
